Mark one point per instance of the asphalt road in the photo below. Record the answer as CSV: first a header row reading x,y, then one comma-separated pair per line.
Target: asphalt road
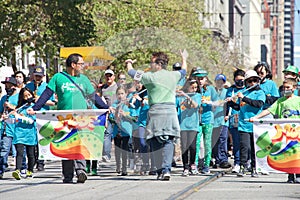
x,y
107,185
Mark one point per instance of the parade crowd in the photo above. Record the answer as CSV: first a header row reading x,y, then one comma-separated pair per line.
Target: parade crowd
x,y
155,117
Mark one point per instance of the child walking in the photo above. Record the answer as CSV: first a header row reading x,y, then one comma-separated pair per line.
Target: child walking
x,y
188,109
25,134
250,103
289,102
122,130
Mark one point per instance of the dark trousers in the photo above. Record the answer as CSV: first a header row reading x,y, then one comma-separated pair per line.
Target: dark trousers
x,y
188,146
246,146
20,155
94,163
68,167
220,148
121,150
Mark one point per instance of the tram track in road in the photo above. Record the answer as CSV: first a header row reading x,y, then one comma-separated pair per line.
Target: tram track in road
x,y
186,192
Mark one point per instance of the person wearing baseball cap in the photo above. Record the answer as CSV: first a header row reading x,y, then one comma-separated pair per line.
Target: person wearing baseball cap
x,y
220,130
38,86
7,104
176,67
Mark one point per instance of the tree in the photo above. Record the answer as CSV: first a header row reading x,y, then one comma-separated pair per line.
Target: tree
x,y
43,27
137,28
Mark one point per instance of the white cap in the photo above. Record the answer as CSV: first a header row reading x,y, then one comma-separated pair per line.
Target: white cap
x,y
251,73
109,71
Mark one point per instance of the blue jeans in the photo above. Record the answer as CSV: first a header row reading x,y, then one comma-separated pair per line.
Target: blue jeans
x,y
162,153
221,145
236,145
107,140
5,145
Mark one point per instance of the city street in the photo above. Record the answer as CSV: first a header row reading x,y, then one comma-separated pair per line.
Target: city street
x,y
218,185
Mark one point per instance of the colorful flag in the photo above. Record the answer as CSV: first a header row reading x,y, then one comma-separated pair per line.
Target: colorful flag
x,y
71,134
277,146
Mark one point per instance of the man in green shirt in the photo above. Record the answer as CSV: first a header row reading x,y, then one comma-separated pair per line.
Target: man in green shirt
x,y
70,97
162,123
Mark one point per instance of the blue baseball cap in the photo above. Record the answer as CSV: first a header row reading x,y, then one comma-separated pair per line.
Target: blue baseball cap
x,y
220,77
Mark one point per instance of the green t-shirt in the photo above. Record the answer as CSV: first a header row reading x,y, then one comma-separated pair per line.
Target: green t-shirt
x,y
286,108
161,86
69,96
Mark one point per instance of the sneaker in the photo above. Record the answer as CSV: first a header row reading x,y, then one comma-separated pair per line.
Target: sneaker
x,y
166,176
105,159
242,172
94,172
81,176
17,174
205,170
225,165
68,181
194,170
124,174
236,169
40,167
29,173
23,173
297,180
185,172
264,172
152,173
254,173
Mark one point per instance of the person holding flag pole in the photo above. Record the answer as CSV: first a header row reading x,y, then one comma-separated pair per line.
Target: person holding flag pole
x,y
74,91
250,103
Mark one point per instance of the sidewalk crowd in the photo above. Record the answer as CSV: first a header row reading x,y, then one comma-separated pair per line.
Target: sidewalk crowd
x,y
155,119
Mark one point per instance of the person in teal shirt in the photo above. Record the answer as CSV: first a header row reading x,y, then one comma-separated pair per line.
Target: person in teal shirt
x,y
66,86
122,129
188,103
232,116
25,135
250,103
220,130
206,121
7,104
267,84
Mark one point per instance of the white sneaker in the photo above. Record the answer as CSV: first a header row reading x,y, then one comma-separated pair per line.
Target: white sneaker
x,y
264,172
236,169
185,172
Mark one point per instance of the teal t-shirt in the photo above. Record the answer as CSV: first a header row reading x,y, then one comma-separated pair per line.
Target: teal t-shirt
x,y
38,91
10,125
188,117
125,125
144,108
219,111
209,94
247,111
25,133
161,86
69,96
270,89
232,91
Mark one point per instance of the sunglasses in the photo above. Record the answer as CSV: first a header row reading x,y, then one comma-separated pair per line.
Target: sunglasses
x,y
122,78
252,81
